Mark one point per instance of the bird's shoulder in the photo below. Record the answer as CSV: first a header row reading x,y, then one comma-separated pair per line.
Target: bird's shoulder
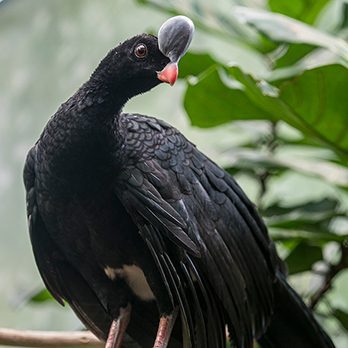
x,y
157,153
150,138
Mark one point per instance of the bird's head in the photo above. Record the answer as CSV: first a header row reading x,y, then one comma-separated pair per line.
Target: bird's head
x,y
144,61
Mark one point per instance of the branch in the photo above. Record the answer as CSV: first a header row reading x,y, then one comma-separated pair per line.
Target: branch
x,y
330,275
26,338
266,174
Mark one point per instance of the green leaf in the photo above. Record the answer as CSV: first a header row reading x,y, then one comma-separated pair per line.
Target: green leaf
x,y
344,12
317,58
318,104
255,165
252,160
300,225
304,10
318,238
41,296
280,28
313,217
302,257
292,54
195,63
324,208
342,317
314,102
329,171
211,102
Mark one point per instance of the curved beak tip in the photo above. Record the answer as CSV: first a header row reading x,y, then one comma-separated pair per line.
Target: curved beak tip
x,y
169,74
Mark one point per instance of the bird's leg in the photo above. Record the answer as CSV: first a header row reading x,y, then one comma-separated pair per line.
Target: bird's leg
x,y
165,327
118,328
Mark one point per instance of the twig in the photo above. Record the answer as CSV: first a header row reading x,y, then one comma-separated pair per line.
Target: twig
x,y
266,174
27,338
330,275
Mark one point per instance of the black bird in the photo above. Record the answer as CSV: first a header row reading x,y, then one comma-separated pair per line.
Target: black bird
x,y
132,225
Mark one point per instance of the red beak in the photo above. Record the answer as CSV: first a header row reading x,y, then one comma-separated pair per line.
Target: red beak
x,y
169,74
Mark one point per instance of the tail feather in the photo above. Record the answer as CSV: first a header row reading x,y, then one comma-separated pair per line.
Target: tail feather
x,y
293,324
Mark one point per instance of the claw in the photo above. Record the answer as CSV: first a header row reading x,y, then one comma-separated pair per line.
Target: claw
x,y
164,331
118,328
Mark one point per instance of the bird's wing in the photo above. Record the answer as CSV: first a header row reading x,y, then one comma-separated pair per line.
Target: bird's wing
x,y
199,225
60,277
66,283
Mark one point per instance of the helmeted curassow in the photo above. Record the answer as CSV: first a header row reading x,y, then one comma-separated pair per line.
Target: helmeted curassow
x,y
141,233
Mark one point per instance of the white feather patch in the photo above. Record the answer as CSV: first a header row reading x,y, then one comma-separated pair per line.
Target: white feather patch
x,y
134,277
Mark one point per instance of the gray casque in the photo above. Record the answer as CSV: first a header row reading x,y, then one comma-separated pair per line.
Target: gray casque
x,y
174,37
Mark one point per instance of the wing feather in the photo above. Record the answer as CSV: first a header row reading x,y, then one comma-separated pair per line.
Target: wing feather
x,y
60,278
219,246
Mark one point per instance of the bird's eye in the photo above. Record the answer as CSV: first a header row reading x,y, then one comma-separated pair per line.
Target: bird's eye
x,y
140,51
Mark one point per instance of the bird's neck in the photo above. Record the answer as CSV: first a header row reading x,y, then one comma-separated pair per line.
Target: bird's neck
x,y
85,126
104,94
97,101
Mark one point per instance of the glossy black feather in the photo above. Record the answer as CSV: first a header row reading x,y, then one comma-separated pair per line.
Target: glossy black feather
x,y
212,216
62,280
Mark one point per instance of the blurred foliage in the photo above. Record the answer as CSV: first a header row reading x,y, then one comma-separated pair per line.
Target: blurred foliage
x,y
303,88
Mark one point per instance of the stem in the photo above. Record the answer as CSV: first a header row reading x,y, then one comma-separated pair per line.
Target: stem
x,y
330,275
263,177
27,338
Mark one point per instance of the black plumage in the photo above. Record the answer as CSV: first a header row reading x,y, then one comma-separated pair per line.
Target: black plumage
x,y
110,193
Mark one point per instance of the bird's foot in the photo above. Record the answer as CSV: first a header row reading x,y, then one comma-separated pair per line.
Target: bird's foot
x,y
164,331
118,328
